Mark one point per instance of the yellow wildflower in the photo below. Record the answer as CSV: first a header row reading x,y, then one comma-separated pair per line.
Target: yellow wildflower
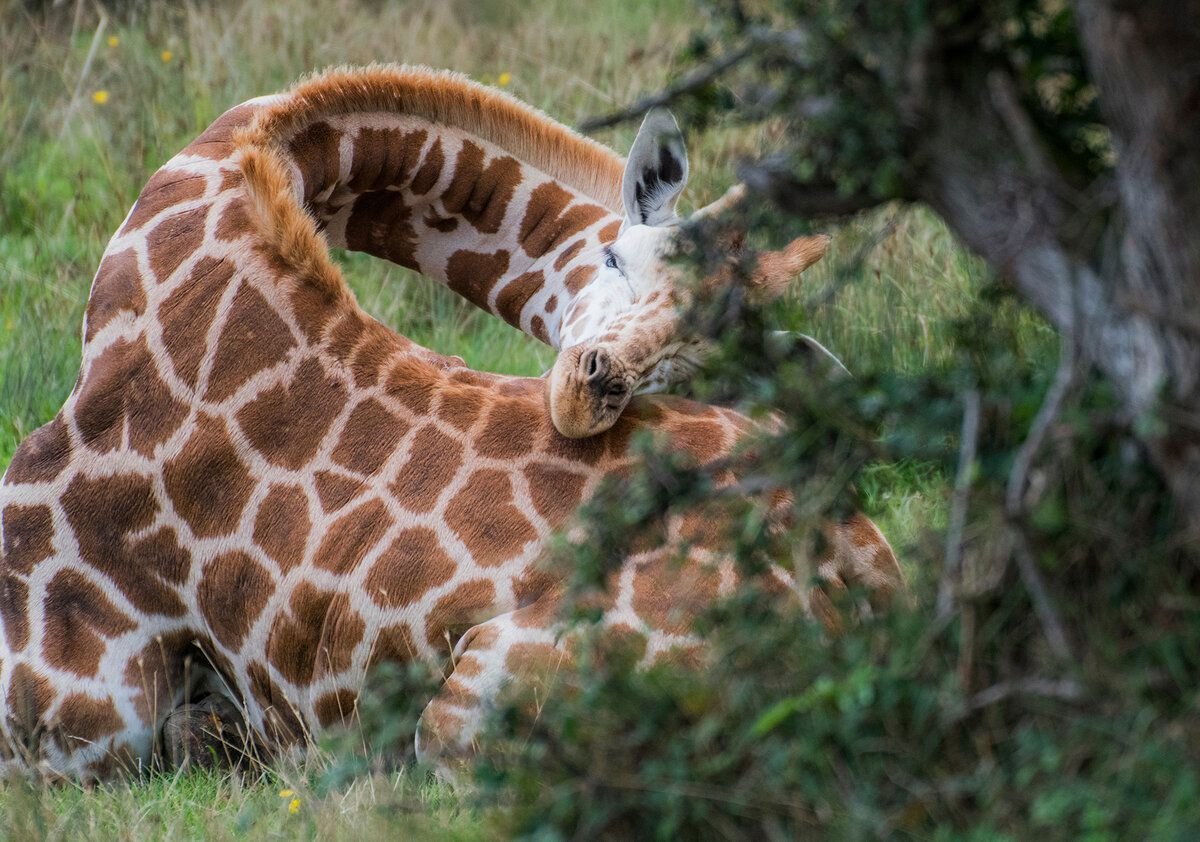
x,y
294,807
166,56
100,97
113,40
286,793
504,79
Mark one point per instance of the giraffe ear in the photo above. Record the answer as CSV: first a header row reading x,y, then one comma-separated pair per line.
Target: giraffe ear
x,y
656,171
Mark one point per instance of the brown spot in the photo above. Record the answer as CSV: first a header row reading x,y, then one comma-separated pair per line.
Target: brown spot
x,y
234,222
461,608
14,609
83,720
189,312
79,617
460,407
312,307
556,492
525,658
123,392
352,536
532,585
28,536
315,149
335,707
174,240
468,666
116,289
409,568
430,170
548,223
703,440
668,594
455,692
286,423
472,274
346,333
408,383
537,326
444,224
515,294
165,189
552,304
588,450
509,431
579,277
376,350
381,224
42,456
159,670
207,482
253,338
335,491
482,514
609,232
29,697
102,512
282,525
384,157
370,437
233,592
217,141
481,195
394,644
569,252
433,462
316,637
283,723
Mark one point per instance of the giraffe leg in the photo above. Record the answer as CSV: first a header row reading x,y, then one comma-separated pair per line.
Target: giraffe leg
x,y
522,645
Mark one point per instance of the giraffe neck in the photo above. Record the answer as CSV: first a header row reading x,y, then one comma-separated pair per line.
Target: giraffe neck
x,y
460,209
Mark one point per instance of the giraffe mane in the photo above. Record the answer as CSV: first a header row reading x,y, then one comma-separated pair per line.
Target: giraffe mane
x,y
440,96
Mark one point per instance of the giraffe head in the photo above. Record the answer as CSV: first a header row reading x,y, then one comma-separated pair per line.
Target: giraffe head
x,y
646,344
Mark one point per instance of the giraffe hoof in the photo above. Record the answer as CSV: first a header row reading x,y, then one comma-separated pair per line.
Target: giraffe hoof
x,y
209,733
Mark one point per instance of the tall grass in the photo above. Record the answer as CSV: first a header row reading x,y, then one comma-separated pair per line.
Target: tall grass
x,y
91,105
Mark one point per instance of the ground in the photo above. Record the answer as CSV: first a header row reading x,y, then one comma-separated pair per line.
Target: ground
x,y
88,110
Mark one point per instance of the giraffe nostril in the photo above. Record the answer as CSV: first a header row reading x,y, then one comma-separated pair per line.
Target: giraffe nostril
x,y
595,364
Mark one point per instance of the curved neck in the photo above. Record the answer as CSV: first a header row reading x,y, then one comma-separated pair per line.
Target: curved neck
x,y
438,200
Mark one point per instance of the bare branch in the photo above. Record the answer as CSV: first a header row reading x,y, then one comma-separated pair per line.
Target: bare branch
x,y
1063,689
1048,413
968,442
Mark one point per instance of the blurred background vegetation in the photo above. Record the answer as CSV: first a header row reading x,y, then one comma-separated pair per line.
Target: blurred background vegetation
x,y
957,714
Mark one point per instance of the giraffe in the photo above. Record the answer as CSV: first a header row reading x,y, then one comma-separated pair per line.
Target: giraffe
x,y
256,487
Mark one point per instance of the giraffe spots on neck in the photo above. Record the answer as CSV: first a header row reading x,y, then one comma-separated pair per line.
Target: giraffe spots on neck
x,y
121,393
315,149
384,158
352,536
609,232
312,305
165,189
174,240
232,593
335,707
702,440
375,350
28,536
515,294
29,697
409,382
79,620
370,437
336,491
588,451
444,224
43,454
253,338
472,274
102,512
316,636
579,277
414,564
14,609
394,644
207,481
668,594
531,587
381,224
549,220
485,518
568,253
234,222
188,312
282,525
217,141
509,431
462,607
430,170
82,720
551,303
482,194
287,422
281,722
555,492
116,289
537,326
460,407
434,460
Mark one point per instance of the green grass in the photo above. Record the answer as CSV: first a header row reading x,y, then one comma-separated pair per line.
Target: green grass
x,y
71,167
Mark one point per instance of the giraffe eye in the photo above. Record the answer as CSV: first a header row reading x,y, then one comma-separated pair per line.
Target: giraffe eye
x,y
611,263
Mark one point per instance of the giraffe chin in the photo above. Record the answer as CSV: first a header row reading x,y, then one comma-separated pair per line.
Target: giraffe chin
x,y
579,399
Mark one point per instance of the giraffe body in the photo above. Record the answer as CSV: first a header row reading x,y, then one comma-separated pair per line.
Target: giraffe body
x,y
257,488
